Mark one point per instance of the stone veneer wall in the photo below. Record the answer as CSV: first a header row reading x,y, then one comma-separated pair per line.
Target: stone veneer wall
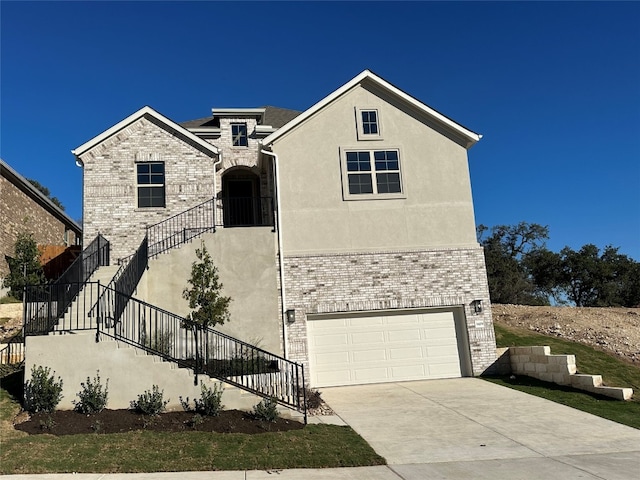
x,y
21,213
110,197
356,282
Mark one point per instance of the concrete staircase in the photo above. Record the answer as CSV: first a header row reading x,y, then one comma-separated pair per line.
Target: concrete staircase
x,y
76,354
130,372
80,316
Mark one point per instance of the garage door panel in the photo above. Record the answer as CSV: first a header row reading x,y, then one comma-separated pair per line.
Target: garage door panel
x,y
383,348
444,370
335,377
367,337
369,355
330,340
332,358
440,333
442,351
411,371
365,375
408,335
406,353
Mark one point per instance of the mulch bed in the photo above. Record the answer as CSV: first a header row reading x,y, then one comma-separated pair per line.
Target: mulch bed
x,y
68,422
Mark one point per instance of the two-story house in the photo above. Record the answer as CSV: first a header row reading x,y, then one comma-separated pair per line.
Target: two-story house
x,y
345,234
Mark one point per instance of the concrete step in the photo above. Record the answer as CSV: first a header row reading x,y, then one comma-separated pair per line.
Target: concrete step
x,y
104,274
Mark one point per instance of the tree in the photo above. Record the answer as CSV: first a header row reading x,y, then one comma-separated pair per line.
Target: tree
x,y
209,307
505,248
521,270
45,191
24,267
544,268
593,279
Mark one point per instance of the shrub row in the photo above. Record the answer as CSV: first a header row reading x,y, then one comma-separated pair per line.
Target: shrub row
x,y
43,393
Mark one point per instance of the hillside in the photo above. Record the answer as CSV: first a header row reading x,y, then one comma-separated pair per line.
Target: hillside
x,y
615,330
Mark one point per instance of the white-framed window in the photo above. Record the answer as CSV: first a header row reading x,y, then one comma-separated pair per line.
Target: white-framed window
x,y
371,174
239,137
368,120
150,184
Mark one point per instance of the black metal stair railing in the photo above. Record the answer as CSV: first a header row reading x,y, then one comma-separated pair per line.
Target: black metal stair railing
x,y
46,305
203,350
181,228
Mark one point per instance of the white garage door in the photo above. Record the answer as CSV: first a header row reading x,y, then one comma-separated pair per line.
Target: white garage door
x,y
352,350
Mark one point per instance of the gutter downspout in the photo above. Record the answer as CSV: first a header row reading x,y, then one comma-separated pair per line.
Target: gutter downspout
x,y
280,251
215,187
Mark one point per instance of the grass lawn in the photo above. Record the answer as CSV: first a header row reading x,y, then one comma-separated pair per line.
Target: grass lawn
x,y
615,372
315,446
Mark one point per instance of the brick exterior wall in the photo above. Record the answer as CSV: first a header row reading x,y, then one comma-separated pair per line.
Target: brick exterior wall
x,y
20,212
391,280
110,191
243,157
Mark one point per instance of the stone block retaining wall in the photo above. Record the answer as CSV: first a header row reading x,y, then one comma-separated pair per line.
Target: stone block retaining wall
x,y
537,362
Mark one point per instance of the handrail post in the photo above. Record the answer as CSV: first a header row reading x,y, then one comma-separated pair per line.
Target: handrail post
x,y
304,395
195,370
98,319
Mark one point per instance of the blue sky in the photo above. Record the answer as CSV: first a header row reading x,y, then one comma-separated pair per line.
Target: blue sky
x,y
554,88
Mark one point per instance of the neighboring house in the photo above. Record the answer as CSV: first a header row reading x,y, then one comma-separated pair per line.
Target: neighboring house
x,y
23,208
361,261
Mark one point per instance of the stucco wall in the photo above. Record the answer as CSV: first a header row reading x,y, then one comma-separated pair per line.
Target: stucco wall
x,y
110,201
21,213
437,210
246,262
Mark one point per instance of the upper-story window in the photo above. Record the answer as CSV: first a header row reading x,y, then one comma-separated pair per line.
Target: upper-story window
x,y
372,174
368,124
150,182
239,134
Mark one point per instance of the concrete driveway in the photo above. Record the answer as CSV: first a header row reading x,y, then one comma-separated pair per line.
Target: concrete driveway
x,y
469,428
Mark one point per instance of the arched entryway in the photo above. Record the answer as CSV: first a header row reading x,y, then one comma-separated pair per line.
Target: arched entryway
x,y
241,198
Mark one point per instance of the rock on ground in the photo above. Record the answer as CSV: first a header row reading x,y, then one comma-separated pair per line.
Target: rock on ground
x,y
615,330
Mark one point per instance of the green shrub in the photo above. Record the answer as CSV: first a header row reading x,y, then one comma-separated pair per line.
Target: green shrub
x,y
150,402
93,396
210,403
42,393
266,410
313,398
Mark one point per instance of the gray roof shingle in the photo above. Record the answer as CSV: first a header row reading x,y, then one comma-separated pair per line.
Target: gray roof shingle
x,y
274,116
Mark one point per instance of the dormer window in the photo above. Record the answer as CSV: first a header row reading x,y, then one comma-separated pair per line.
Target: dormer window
x,y
368,120
239,134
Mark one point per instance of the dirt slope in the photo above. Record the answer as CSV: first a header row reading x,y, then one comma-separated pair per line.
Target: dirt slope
x,y
616,330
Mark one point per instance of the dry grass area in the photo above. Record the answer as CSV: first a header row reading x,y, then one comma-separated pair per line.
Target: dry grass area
x,y
614,330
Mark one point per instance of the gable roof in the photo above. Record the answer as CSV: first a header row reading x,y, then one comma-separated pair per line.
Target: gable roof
x,y
148,111
469,137
37,196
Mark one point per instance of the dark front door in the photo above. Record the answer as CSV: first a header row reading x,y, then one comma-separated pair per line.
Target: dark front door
x,y
239,198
